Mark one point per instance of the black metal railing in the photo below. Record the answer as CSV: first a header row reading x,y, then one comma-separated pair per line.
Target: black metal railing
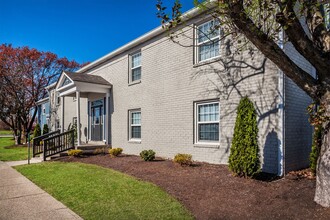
x,y
37,147
58,143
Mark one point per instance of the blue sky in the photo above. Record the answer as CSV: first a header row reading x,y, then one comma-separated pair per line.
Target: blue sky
x,y
83,30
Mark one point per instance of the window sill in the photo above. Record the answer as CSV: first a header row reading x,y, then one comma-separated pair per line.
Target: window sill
x,y
207,145
205,62
134,82
134,141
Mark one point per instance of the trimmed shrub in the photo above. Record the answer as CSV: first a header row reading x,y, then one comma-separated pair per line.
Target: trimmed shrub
x,y
45,129
244,152
316,147
114,152
183,159
75,153
148,155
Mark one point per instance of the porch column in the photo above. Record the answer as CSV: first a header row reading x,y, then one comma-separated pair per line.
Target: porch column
x,y
78,116
62,114
106,124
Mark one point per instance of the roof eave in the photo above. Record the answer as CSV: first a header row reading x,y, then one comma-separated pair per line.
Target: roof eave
x,y
159,30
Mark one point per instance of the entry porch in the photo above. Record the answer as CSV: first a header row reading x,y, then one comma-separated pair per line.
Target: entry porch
x,y
85,102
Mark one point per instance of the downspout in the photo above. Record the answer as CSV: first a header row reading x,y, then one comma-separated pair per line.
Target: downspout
x,y
281,108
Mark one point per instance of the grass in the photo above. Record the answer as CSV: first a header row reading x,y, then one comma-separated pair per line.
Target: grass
x,y
5,132
94,192
9,152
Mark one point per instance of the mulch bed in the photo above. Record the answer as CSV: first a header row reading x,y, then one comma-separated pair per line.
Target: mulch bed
x,y
211,192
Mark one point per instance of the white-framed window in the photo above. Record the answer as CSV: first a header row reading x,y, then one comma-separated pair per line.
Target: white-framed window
x,y
135,67
44,110
207,40
207,122
135,124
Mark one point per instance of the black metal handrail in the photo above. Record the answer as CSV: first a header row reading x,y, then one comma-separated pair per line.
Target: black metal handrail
x,y
58,143
37,147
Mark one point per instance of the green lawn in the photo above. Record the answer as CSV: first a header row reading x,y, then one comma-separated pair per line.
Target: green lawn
x,y
9,152
5,132
94,192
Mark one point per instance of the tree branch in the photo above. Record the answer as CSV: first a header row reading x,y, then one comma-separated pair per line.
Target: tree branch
x,y
271,50
302,43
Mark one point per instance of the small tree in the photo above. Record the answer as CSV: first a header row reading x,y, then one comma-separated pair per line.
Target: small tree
x,y
45,129
244,152
37,131
316,146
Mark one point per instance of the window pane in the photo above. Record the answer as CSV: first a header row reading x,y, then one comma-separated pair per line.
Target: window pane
x,y
136,60
208,132
208,31
136,74
208,50
136,118
136,132
208,112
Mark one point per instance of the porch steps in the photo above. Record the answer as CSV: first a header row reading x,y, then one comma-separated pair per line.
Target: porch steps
x,y
93,147
87,150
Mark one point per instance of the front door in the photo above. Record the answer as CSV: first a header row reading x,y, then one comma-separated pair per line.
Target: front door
x,y
97,121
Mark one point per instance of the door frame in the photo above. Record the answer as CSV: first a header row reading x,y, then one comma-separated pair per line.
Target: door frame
x,y
90,119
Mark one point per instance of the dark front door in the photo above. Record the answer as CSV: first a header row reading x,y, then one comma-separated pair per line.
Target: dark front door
x,y
97,123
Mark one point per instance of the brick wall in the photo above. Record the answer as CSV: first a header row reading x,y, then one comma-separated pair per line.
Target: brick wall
x,y
170,86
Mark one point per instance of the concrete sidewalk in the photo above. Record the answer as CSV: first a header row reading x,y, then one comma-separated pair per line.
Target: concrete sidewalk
x,y
22,199
22,162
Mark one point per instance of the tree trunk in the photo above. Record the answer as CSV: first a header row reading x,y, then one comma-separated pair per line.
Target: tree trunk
x,y
322,193
323,174
17,136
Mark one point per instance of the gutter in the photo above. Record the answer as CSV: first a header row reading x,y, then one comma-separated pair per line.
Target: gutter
x,y
50,86
149,35
41,101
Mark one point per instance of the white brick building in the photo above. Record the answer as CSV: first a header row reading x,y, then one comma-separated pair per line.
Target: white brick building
x,y
155,94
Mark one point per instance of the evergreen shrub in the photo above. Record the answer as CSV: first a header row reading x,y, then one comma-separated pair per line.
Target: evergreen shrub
x,y
244,152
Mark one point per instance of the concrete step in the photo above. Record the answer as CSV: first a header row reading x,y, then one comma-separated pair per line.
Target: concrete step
x,y
92,147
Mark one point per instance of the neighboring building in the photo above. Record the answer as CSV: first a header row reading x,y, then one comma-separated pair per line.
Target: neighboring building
x,y
155,94
43,110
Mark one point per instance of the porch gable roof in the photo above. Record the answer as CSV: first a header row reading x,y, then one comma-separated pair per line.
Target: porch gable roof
x,y
70,82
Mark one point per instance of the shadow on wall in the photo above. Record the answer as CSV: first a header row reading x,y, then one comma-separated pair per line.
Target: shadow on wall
x,y
270,153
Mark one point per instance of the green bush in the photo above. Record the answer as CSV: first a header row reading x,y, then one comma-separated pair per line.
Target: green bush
x,y
147,155
37,131
316,147
75,153
183,159
114,152
45,129
244,152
